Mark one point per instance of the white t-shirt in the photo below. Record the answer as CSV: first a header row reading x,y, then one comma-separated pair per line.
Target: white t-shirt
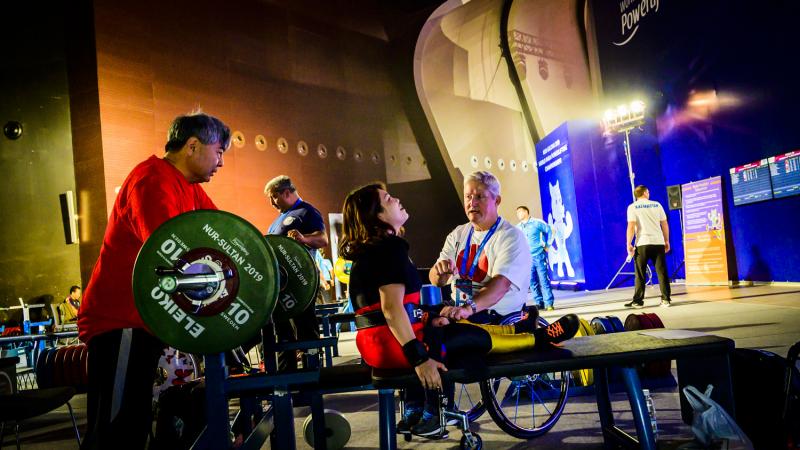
x,y
506,253
648,216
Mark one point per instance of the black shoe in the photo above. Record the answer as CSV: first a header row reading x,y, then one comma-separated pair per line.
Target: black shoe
x,y
410,418
428,426
558,331
528,322
634,304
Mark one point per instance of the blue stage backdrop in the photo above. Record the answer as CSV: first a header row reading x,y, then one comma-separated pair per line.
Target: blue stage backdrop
x,y
588,173
560,206
719,76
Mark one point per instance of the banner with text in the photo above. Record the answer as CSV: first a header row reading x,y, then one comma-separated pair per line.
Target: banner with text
x,y
559,206
704,233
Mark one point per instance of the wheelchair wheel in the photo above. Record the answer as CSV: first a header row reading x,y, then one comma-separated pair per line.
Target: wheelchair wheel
x,y
526,406
468,397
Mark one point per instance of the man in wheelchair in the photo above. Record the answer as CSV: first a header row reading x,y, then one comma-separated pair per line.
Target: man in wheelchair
x,y
394,332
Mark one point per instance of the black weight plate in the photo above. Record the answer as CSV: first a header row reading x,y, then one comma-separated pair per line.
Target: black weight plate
x,y
40,363
299,277
228,314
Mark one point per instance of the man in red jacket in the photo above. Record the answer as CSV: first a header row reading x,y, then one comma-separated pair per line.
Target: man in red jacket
x,y
123,355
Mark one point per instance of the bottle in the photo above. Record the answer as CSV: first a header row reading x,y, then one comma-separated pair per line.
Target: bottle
x,y
651,410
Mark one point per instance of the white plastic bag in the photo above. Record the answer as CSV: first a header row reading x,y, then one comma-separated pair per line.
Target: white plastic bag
x,y
710,422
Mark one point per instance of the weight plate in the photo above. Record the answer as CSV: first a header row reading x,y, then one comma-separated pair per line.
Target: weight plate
x,y
40,363
85,366
337,430
47,369
616,324
299,277
602,325
208,317
77,366
58,366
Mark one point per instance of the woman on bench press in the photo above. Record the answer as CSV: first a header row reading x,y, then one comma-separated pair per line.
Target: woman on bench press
x,y
393,331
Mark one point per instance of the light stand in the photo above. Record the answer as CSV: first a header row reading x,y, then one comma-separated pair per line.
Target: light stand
x,y
623,120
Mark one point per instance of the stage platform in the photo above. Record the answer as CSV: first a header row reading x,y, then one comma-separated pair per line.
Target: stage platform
x,y
762,317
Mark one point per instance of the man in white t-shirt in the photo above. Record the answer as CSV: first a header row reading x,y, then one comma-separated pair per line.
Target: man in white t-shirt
x,y
487,260
647,220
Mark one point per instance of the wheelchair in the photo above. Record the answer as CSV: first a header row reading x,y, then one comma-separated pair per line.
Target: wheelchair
x,y
524,406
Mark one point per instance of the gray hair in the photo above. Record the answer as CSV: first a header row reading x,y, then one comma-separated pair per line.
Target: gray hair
x,y
487,179
279,184
207,129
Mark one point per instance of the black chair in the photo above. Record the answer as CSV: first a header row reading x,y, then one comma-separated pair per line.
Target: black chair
x,y
23,405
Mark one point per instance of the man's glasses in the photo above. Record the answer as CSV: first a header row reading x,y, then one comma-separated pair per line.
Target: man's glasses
x,y
478,197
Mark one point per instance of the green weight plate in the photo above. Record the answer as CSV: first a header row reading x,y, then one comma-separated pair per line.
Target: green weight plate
x,y
299,277
205,317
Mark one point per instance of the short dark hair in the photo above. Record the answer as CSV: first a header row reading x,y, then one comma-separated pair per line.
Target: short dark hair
x,y
207,129
279,184
73,289
640,190
525,208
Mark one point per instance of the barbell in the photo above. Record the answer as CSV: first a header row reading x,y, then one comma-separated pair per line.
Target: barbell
x,y
207,281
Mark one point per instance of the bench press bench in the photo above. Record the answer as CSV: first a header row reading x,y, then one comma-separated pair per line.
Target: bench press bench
x,y
701,360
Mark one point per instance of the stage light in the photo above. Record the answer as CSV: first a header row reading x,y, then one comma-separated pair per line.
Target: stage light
x,y
623,119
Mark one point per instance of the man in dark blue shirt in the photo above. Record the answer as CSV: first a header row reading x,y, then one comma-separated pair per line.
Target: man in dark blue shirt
x,y
303,223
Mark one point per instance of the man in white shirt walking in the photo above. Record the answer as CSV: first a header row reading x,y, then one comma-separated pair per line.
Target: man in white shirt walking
x,y
647,220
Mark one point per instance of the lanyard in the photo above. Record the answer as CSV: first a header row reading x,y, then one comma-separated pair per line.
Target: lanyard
x,y
280,218
478,251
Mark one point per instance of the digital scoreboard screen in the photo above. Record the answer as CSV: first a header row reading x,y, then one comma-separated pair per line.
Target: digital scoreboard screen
x,y
785,172
751,182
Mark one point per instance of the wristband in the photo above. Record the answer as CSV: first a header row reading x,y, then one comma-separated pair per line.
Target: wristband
x,y
415,352
471,304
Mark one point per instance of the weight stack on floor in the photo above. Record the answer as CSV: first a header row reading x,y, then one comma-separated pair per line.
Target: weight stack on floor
x,y
656,370
583,377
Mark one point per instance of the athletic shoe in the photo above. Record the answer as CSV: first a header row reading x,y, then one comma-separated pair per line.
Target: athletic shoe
x,y
558,331
634,304
666,303
428,426
550,308
410,418
528,322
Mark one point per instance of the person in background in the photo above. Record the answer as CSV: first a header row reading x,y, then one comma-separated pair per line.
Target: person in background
x,y
123,355
302,222
647,220
325,267
537,232
71,305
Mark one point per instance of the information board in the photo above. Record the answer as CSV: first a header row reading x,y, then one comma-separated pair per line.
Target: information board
x,y
751,183
704,233
785,172
560,206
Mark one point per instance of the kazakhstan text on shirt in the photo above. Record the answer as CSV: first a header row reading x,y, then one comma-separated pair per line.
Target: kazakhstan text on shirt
x,y
652,205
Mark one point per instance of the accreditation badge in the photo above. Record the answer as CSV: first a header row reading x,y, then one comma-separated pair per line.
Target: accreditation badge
x,y
463,291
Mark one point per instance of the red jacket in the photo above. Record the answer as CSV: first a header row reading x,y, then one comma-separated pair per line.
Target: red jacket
x,y
154,192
